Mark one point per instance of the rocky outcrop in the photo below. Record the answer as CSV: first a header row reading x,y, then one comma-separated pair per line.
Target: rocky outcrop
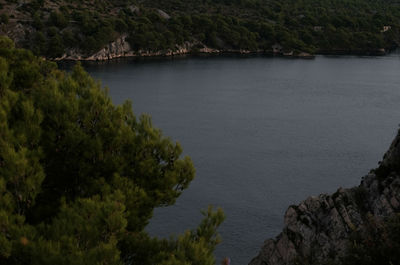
x,y
163,14
318,228
121,48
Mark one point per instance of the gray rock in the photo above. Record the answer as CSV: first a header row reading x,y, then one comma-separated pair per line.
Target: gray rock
x,y
163,14
121,48
319,227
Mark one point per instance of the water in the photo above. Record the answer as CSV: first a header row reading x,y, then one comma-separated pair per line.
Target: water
x,y
263,133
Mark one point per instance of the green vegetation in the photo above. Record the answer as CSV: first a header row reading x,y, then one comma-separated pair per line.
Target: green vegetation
x,y
337,26
80,177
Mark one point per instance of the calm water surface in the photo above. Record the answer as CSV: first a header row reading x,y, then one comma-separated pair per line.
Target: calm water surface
x,y
263,133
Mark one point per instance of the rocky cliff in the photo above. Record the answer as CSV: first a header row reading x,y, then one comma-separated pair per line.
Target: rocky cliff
x,y
319,228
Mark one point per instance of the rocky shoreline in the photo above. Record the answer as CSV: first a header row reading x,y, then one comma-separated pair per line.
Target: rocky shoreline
x,y
319,228
121,48
105,55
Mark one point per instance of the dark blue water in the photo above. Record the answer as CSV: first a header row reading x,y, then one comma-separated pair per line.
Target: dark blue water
x,y
263,133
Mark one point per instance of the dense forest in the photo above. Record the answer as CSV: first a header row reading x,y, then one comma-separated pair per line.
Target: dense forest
x,y
50,27
80,177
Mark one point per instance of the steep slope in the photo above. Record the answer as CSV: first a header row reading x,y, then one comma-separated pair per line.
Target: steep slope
x,y
319,228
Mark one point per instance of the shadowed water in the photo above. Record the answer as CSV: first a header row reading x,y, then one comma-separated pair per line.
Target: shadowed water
x,y
263,133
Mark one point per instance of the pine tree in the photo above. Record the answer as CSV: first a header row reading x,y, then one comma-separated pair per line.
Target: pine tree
x,y
80,177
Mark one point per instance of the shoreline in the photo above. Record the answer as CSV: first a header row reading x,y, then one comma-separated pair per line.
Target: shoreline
x,y
227,53
215,52
120,48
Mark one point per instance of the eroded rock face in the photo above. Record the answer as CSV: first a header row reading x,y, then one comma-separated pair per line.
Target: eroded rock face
x,y
319,228
121,48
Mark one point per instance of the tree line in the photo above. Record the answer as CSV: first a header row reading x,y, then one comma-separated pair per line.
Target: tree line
x,y
349,26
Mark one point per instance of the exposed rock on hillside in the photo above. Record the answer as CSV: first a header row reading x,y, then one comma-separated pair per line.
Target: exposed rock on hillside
x,y
116,49
163,14
121,48
319,228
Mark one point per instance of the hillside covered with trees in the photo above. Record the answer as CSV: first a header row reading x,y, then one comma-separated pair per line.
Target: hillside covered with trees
x,y
80,177
52,27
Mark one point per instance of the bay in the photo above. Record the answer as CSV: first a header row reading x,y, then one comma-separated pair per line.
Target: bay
x,y
263,132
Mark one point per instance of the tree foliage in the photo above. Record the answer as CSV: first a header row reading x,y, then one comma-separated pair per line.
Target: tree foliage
x,y
80,177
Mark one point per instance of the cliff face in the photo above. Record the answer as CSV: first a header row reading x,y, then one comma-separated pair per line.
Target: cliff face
x,y
319,228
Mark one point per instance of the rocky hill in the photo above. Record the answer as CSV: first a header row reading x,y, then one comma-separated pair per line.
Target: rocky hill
x,y
318,229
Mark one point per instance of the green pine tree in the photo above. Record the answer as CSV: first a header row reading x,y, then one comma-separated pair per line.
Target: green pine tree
x,y
80,177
